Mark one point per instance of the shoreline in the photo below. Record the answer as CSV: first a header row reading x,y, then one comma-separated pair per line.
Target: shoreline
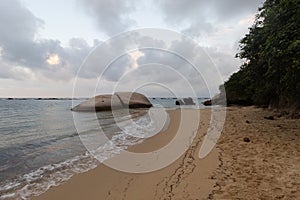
x,y
107,183
263,166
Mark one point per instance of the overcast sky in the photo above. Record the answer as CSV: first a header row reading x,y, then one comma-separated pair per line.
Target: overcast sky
x,y
44,43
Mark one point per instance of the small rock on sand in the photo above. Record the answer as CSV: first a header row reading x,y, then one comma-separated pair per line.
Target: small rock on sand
x,y
269,117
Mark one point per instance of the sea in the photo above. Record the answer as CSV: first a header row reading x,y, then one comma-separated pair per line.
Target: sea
x,y
40,146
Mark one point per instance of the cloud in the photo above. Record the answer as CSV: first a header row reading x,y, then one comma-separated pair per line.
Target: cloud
x,y
179,64
15,72
248,20
112,58
228,9
20,47
178,11
13,11
175,61
205,68
24,56
111,16
197,29
199,17
18,27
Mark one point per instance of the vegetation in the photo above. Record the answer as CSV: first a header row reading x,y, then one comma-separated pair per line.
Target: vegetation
x,y
270,74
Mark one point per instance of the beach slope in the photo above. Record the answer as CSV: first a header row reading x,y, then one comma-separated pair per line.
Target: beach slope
x,y
187,178
257,157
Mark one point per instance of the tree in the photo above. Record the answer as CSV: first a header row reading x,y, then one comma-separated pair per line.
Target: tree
x,y
271,50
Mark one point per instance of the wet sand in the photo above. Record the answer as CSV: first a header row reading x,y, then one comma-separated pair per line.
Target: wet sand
x,y
187,178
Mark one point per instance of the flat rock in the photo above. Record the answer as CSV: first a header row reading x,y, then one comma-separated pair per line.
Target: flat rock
x,y
133,100
118,100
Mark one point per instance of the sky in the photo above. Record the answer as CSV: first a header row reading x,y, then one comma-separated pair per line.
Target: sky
x,y
85,47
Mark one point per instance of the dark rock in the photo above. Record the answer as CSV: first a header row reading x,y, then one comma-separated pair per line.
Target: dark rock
x,y
219,99
247,122
295,115
269,118
185,101
246,139
207,103
178,102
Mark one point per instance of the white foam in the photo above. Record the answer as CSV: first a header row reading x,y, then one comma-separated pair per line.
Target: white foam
x,y
40,180
11,195
148,125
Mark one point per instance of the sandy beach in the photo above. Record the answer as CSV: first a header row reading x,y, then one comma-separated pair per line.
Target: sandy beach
x,y
264,166
149,100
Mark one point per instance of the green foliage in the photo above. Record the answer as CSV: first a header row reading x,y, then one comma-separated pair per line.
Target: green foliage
x,y
271,50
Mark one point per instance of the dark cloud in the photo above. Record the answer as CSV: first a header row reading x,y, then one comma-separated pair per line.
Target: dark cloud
x,y
197,15
205,68
199,28
17,22
23,55
178,11
111,16
18,27
227,9
107,60
17,73
19,46
111,59
173,62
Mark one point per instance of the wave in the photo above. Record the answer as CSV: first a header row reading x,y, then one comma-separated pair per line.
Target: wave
x,y
38,181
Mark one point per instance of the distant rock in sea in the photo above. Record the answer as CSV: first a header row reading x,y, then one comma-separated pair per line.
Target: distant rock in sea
x,y
207,103
219,99
118,100
185,101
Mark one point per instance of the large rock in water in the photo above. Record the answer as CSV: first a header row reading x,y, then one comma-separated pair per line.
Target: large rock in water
x,y
118,100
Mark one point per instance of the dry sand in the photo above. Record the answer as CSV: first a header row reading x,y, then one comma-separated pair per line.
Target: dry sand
x,y
267,167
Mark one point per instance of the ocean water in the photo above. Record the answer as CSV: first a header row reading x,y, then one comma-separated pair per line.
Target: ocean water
x,y
40,146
